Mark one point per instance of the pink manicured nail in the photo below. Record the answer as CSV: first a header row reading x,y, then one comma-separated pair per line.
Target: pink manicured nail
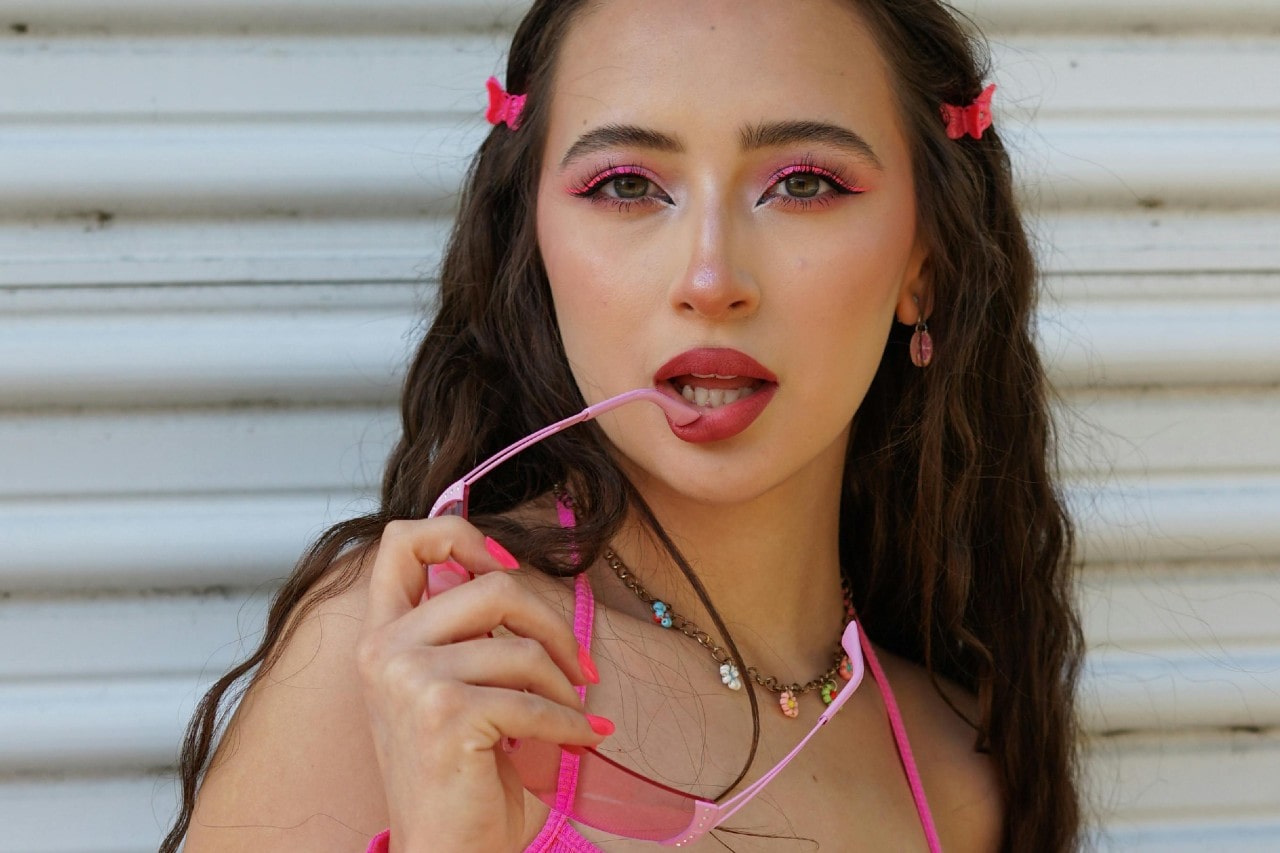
x,y
502,555
600,725
442,577
588,665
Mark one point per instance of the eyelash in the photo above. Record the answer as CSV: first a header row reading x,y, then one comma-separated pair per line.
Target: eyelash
x,y
840,185
590,188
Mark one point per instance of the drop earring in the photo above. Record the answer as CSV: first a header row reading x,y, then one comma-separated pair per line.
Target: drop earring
x,y
921,344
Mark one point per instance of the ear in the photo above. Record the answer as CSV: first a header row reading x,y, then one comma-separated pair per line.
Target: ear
x,y
915,299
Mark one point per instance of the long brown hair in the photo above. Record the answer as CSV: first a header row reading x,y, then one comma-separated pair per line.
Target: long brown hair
x,y
956,542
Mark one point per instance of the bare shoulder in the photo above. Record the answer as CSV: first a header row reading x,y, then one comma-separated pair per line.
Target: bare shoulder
x,y
296,768
961,783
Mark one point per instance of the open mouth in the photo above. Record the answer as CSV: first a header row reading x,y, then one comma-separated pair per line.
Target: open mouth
x,y
730,388
713,390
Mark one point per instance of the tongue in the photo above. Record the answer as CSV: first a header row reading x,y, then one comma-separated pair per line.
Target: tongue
x,y
723,384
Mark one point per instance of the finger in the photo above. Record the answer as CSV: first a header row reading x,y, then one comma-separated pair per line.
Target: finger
x,y
442,577
499,600
519,716
398,579
513,663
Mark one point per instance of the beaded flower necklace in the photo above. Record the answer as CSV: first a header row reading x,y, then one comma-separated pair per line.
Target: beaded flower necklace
x,y
788,694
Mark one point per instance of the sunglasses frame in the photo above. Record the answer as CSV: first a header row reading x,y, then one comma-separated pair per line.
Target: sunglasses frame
x,y
707,814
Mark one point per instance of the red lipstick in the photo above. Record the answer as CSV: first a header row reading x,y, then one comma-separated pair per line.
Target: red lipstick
x,y
717,373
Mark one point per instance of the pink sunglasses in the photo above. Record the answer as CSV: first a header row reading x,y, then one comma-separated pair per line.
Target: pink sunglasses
x,y
611,797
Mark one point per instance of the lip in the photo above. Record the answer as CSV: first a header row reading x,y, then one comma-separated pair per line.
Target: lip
x,y
725,421
726,362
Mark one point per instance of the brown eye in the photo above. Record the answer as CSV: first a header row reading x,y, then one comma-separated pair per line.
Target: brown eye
x,y
630,186
802,185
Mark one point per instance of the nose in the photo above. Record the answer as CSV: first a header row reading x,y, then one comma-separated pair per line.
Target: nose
x,y
716,282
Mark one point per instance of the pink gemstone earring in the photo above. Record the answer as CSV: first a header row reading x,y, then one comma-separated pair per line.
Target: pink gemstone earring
x,y
921,344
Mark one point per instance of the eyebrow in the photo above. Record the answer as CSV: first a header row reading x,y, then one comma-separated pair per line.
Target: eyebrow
x,y
776,134
620,136
766,135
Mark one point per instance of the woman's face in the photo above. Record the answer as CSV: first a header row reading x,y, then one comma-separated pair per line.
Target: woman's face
x,y
726,212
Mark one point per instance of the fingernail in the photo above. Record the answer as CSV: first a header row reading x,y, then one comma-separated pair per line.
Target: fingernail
x,y
600,725
502,555
442,577
575,750
588,665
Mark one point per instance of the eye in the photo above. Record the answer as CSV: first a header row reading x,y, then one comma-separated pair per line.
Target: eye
x,y
626,187
804,185
623,187
807,184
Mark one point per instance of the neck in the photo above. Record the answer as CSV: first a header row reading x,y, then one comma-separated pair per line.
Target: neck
x,y
770,566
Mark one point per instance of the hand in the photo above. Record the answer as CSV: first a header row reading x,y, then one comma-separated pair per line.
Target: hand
x,y
442,693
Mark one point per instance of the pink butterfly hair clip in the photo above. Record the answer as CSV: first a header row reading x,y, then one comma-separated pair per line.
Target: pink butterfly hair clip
x,y
503,107
971,120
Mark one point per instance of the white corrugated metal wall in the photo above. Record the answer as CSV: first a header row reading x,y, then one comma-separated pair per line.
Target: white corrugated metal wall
x,y
218,219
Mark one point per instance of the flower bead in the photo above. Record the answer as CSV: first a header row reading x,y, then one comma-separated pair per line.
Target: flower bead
x,y
729,675
787,702
846,668
662,614
829,691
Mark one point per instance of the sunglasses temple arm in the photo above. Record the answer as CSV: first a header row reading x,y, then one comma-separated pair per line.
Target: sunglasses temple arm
x,y
730,806
677,411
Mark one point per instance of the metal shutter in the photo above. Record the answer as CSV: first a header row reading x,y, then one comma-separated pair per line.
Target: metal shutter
x,y
218,224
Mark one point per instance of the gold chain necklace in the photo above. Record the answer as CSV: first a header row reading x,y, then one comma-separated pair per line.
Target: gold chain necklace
x,y
788,694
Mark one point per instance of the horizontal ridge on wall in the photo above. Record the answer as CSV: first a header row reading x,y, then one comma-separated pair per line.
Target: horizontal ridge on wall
x,y
1222,800
1147,253
1175,687
396,168
1199,791
93,357
1116,436
197,541
203,358
67,725
1178,517
96,248
116,813
173,542
405,76
315,450
400,15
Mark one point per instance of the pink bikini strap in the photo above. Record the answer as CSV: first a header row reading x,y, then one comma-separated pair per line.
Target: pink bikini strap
x,y
584,610
904,746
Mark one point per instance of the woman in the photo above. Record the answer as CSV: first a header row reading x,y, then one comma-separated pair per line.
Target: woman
x,y
767,213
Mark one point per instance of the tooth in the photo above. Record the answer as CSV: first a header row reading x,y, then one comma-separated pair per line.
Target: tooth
x,y
700,396
745,392
732,395
703,375
687,393
715,397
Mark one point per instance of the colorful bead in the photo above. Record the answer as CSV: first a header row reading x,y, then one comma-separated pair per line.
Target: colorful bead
x,y
829,691
729,675
662,614
846,668
787,702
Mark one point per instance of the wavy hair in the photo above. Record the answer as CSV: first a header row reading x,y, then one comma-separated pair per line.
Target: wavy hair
x,y
955,540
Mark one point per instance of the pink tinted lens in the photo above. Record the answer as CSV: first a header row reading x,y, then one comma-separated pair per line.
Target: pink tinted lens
x,y
609,796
